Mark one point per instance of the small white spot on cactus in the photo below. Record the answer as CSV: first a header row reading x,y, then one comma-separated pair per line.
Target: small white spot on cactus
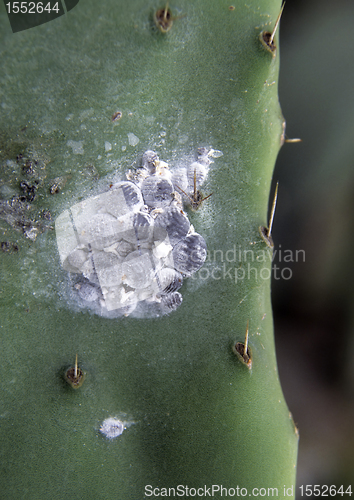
x,y
183,139
214,153
161,249
87,113
77,147
107,146
116,116
133,139
31,233
112,428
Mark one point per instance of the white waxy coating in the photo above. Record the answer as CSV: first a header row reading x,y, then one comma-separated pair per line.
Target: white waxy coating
x,y
200,171
168,280
123,198
171,301
134,243
112,428
150,160
124,248
189,254
137,269
100,232
180,180
157,191
88,292
109,268
77,258
175,222
88,270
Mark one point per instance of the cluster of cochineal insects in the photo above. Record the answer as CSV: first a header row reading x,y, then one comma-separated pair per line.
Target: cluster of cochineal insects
x,y
130,248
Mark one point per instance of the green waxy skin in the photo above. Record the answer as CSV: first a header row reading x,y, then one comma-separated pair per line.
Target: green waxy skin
x,y
195,415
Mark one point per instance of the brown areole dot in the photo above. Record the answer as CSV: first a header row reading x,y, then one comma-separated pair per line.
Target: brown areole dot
x,y
243,352
75,376
163,19
267,37
116,116
266,232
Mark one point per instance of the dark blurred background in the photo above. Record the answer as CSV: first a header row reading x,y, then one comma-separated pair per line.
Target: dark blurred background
x,y
313,311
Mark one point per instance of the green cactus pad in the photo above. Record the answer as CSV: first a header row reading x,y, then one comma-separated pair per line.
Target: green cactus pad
x,y
82,98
